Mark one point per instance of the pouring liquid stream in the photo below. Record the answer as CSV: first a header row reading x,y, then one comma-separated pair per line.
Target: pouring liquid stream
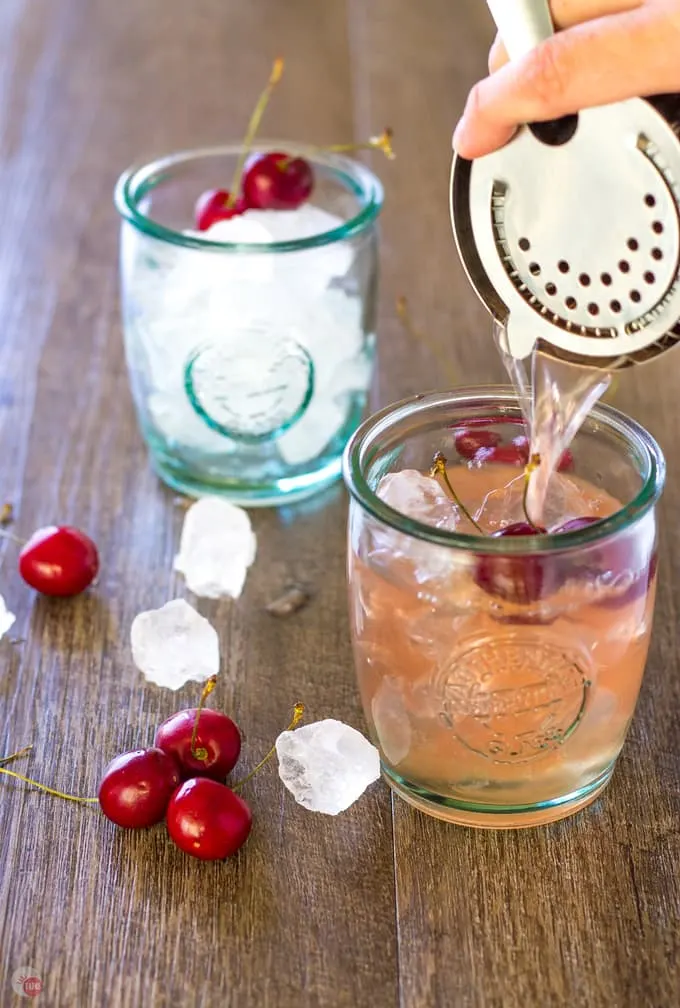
x,y
555,399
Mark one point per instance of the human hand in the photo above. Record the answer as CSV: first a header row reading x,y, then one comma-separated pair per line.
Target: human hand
x,y
605,51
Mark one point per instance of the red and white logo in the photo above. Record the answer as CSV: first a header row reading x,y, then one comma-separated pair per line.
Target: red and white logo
x,y
26,982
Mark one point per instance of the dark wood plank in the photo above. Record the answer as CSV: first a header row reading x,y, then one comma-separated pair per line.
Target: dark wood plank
x,y
124,919
586,912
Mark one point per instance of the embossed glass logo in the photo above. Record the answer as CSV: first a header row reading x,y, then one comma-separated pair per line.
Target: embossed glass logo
x,y
514,700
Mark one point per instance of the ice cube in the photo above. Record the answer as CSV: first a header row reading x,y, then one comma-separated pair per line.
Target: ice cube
x,y
7,618
420,497
216,549
391,720
308,270
333,336
177,421
174,645
326,765
564,499
246,228
307,438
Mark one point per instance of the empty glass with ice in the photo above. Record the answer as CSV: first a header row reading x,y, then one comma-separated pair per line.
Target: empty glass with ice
x,y
499,658
250,344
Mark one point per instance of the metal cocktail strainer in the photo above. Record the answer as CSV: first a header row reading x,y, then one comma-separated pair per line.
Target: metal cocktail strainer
x,y
570,234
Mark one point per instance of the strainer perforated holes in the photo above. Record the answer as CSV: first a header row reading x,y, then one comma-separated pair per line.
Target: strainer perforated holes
x,y
551,289
649,277
524,244
606,279
570,302
624,266
563,266
633,244
534,268
635,296
615,306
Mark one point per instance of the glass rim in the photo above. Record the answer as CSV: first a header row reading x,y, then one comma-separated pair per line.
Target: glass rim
x,y
133,184
498,396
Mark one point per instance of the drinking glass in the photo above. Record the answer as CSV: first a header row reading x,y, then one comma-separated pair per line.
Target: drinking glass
x,y
249,358
499,675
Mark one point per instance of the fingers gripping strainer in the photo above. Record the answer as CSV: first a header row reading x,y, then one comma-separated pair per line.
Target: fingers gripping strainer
x,y
571,233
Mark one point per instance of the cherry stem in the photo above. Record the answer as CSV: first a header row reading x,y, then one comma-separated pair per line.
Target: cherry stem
x,y
298,711
4,534
253,125
420,337
382,143
532,465
439,469
37,784
16,755
200,753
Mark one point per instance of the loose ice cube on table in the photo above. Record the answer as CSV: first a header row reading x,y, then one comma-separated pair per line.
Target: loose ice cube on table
x,y
174,645
216,549
7,618
326,765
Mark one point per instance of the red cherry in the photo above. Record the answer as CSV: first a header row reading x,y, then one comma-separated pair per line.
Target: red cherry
x,y
137,786
277,181
59,560
502,454
612,557
519,529
516,578
208,820
566,462
211,207
468,442
217,734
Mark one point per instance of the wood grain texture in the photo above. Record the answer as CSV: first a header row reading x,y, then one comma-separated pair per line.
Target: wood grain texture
x,y
382,906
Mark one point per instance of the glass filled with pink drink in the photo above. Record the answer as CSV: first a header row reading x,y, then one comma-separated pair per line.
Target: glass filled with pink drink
x,y
499,655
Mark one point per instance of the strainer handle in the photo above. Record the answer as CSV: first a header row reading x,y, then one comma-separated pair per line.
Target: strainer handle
x,y
522,24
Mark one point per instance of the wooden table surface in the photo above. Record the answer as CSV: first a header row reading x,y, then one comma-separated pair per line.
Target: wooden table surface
x,y
380,906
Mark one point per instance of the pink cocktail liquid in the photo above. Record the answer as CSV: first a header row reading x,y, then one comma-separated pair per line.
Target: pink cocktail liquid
x,y
499,689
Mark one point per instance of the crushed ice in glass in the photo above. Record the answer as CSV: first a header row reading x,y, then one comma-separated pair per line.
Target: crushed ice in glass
x,y
326,765
174,645
216,548
184,301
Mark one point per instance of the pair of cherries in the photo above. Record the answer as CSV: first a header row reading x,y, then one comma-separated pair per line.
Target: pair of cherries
x,y
271,181
525,579
486,446
181,778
